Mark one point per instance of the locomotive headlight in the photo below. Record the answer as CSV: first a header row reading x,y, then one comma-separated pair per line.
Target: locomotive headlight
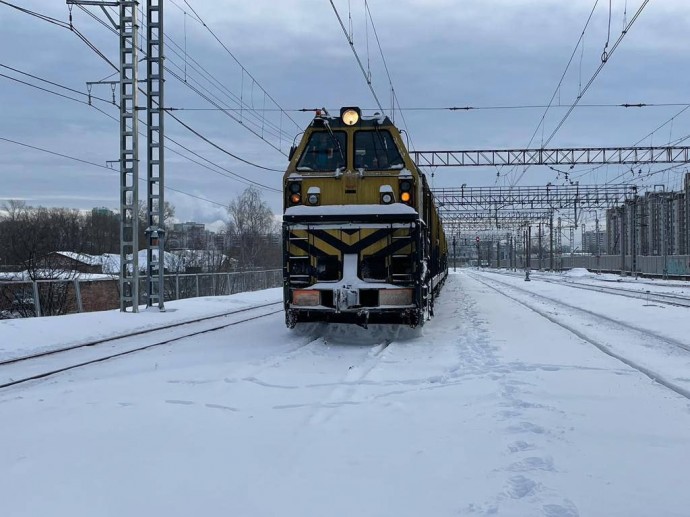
x,y
295,199
386,194
313,195
349,116
295,187
405,197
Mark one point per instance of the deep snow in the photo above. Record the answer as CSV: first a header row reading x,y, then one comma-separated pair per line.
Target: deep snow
x,y
490,409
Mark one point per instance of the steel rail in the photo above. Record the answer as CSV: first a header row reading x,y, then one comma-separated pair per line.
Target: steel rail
x,y
166,341
654,376
130,334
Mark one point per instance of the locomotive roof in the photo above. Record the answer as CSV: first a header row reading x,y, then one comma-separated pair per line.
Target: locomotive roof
x,y
364,122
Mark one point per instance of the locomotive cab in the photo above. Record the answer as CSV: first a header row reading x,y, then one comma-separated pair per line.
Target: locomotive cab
x,y
356,236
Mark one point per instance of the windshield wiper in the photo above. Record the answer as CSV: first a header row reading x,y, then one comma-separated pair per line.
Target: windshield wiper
x,y
337,143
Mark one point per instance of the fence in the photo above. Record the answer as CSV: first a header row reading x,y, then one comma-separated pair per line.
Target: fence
x,y
672,266
23,299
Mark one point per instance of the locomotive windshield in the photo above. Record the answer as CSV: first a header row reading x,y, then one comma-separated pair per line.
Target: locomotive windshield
x,y
375,150
325,151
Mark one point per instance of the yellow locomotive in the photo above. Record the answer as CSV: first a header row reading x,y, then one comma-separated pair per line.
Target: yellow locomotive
x,y
362,238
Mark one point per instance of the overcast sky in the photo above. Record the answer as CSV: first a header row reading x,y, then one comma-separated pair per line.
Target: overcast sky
x,y
440,53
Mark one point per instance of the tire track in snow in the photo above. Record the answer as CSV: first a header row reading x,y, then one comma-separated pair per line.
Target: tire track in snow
x,y
343,394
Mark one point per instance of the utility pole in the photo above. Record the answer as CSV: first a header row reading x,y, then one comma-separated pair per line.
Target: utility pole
x,y
454,255
128,28
479,262
528,252
622,241
559,245
540,249
596,233
584,231
633,236
551,242
155,162
665,212
498,253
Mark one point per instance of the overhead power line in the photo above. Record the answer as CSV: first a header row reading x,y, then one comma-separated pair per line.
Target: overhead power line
x,y
94,164
207,98
567,67
359,61
390,80
244,70
470,108
69,26
221,149
260,123
605,59
64,25
230,174
54,153
558,86
67,88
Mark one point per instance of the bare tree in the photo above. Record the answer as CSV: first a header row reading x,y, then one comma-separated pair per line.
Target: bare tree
x,y
102,232
168,216
253,230
30,237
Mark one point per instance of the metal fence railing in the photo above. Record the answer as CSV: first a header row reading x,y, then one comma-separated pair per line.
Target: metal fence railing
x,y
31,298
671,266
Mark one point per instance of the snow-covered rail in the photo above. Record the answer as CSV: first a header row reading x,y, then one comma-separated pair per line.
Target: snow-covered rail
x,y
580,321
676,300
44,364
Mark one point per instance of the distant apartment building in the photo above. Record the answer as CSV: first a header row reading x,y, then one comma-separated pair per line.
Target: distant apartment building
x,y
654,224
189,235
594,242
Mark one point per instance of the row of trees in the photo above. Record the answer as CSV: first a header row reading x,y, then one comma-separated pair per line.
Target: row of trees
x,y
28,234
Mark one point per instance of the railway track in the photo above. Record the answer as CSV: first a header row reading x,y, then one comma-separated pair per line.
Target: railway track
x,y
46,364
665,298
636,336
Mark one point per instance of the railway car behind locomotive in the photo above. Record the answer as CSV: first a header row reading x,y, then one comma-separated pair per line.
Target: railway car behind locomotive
x,y
362,238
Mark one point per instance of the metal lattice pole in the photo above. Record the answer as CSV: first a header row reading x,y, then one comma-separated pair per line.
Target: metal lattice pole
x,y
155,201
128,29
551,242
559,245
129,158
633,237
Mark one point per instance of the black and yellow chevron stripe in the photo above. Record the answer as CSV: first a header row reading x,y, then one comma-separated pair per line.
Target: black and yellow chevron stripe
x,y
361,241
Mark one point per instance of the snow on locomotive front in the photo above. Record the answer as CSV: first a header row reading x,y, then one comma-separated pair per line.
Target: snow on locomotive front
x,y
362,240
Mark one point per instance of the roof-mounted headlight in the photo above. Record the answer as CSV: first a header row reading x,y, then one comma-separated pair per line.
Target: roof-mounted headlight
x,y
350,116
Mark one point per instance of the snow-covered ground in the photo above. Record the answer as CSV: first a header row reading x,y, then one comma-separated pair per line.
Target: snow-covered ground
x,y
506,403
583,276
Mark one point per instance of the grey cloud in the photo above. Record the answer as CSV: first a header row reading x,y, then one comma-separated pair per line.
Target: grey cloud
x,y
440,53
